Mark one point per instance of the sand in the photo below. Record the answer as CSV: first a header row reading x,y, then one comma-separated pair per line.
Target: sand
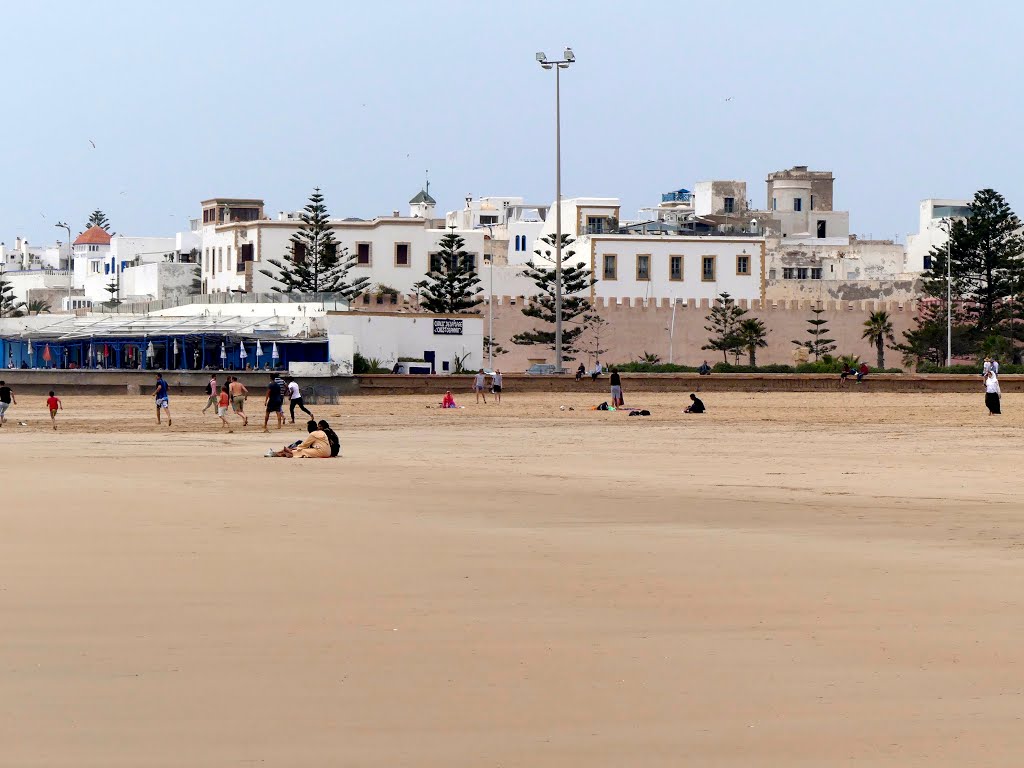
x,y
797,580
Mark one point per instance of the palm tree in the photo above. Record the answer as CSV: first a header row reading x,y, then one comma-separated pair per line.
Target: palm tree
x,y
878,330
751,335
38,306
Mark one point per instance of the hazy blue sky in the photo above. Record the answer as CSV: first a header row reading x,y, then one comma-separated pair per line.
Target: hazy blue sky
x,y
187,100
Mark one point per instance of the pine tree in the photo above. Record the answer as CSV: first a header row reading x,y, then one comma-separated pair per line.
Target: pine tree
x,y
451,284
985,265
114,289
878,330
493,348
314,263
752,336
819,344
98,219
724,325
9,306
577,311
926,341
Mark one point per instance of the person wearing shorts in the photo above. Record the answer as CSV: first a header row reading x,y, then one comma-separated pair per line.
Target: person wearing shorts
x,y
478,386
53,404
238,394
6,400
274,402
496,386
616,385
295,399
223,401
163,401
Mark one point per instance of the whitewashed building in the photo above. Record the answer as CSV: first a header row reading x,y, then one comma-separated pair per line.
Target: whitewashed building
x,y
931,229
238,241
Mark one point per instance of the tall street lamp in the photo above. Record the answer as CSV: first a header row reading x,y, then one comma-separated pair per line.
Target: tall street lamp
x,y
568,57
947,224
71,269
490,299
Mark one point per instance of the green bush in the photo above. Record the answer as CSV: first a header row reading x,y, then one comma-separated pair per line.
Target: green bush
x,y
970,369
637,366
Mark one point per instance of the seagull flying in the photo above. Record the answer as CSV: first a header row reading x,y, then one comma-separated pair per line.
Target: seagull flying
x,y
728,98
93,143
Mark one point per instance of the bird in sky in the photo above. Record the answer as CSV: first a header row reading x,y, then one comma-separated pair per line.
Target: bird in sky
x,y
728,98
93,143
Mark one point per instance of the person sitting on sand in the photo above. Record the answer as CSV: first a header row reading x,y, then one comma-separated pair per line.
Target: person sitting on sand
x,y
315,446
332,437
696,405
448,401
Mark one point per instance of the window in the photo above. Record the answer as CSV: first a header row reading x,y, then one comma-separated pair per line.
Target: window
x,y
489,219
742,265
435,262
643,266
610,266
94,248
363,254
771,274
801,273
707,269
821,228
812,202
469,262
798,204
788,273
927,261
595,225
246,252
728,204
401,254
775,204
675,267
815,273
220,259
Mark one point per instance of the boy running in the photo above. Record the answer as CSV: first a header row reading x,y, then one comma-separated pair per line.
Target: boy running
x,y
223,400
295,399
6,399
54,404
162,399
213,391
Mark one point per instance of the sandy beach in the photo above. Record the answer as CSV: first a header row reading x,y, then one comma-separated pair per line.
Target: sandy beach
x,y
791,579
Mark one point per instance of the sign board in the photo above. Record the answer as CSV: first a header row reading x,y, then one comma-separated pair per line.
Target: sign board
x,y
447,327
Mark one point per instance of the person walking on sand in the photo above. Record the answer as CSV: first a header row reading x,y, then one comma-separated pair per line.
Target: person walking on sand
x,y
223,401
496,386
238,394
295,399
274,402
616,384
163,401
992,393
54,404
478,386
7,399
213,391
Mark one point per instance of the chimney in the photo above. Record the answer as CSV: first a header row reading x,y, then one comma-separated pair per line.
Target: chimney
x,y
395,214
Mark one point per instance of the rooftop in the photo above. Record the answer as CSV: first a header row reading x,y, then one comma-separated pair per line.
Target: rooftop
x,y
93,236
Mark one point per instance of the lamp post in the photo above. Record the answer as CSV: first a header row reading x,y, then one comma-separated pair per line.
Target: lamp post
x,y
71,271
568,57
947,224
490,299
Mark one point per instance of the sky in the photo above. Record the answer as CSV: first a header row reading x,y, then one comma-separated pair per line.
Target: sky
x,y
184,101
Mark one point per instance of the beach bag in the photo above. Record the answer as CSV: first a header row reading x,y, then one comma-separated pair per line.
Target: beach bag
x,y
603,407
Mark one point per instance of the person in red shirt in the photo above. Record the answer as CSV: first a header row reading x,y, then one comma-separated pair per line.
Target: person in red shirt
x,y
448,401
54,404
862,372
223,401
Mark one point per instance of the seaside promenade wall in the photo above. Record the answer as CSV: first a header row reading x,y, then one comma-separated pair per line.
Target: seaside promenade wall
x,y
635,326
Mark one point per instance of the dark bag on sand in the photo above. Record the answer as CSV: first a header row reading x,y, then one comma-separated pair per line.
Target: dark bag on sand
x,y
603,407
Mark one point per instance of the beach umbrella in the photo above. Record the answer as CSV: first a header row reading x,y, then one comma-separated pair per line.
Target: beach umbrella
x,y
30,346
47,357
150,351
241,350
273,352
223,354
174,348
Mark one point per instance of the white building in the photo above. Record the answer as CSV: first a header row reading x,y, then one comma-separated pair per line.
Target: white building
x,y
931,231
237,242
25,257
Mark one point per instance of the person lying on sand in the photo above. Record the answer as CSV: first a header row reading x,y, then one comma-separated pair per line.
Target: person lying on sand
x,y
315,446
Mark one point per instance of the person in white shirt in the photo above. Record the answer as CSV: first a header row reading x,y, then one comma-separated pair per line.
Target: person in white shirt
x,y
295,399
478,386
995,366
992,393
496,386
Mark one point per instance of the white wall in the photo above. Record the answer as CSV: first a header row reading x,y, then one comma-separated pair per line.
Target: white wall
x,y
388,337
626,248
930,233
158,280
22,282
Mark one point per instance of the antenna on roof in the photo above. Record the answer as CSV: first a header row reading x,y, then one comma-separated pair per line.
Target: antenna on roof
x,y
426,173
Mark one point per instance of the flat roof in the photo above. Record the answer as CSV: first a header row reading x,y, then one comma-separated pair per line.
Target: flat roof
x,y
74,328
